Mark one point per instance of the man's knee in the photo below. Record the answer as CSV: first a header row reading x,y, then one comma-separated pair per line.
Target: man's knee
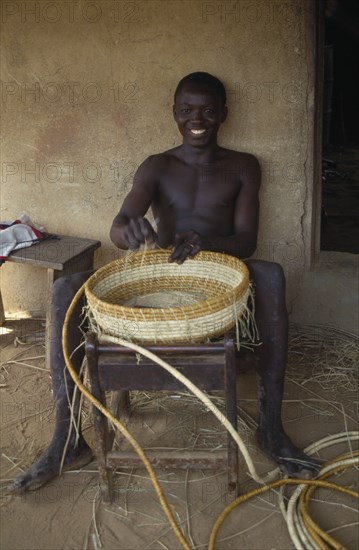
x,y
276,275
65,288
266,274
70,283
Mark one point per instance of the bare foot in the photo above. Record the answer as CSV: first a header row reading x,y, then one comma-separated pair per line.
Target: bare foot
x,y
291,460
48,466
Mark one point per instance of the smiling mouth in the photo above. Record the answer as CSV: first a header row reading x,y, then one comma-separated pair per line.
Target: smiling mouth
x,y
197,132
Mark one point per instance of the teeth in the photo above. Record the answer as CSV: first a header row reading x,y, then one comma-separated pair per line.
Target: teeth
x,y
197,132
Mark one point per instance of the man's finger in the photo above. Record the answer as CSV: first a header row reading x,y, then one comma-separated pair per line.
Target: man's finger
x,y
179,239
131,241
195,249
147,230
137,231
181,253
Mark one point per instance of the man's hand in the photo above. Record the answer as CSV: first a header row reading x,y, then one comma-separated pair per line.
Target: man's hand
x,y
137,232
185,245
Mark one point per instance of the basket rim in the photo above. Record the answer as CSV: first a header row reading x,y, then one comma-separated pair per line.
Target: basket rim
x,y
135,259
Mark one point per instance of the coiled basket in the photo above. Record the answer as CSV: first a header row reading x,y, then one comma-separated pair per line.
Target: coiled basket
x,y
144,298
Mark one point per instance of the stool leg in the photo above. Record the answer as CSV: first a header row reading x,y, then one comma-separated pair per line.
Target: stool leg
x,y
2,314
102,440
120,408
121,405
231,410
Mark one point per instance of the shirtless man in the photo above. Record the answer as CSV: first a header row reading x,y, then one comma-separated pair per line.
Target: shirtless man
x,y
204,197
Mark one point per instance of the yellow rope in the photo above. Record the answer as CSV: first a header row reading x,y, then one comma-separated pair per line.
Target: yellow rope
x,y
296,526
315,531
311,483
119,425
304,504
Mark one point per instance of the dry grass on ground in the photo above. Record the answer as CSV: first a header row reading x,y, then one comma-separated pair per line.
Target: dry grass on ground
x,y
321,398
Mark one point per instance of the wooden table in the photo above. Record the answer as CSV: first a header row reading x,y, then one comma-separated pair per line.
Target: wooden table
x,y
61,256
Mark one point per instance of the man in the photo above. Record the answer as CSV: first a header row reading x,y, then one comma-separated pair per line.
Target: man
x,y
203,197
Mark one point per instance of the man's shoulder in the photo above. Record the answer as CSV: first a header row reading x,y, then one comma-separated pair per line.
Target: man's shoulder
x,y
159,159
239,156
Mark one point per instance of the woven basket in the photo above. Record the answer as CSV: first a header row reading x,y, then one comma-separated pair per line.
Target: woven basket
x,y
217,284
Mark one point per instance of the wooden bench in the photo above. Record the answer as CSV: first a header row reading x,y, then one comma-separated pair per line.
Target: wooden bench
x,y
60,256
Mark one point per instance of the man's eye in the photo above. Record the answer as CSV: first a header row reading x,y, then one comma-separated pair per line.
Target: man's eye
x,y
211,111
185,111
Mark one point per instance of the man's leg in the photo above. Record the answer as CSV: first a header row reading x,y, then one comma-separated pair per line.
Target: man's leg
x,y
77,452
272,322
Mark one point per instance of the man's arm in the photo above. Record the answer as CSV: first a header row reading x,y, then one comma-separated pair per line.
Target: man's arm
x,y
129,228
243,242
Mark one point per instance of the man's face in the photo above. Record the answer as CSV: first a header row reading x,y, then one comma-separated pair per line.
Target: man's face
x,y
199,112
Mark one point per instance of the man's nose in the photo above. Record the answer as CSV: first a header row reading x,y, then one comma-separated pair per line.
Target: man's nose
x,y
197,115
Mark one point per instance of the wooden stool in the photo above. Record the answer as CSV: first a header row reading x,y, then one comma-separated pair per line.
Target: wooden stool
x,y
113,367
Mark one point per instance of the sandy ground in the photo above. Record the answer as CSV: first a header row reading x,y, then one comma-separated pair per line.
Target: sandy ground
x,y
68,512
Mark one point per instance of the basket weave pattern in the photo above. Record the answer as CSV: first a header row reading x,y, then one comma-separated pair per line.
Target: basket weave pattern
x,y
222,280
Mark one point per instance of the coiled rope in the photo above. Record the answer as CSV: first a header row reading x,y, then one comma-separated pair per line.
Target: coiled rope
x,y
317,535
211,407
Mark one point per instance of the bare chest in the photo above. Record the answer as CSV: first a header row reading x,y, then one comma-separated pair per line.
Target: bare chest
x,y
201,189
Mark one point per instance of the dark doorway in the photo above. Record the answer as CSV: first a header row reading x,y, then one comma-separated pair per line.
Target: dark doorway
x,y
340,163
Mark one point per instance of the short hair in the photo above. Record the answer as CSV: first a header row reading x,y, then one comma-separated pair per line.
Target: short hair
x,y
204,79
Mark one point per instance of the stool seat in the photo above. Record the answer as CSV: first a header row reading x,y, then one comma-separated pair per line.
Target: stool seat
x,y
116,368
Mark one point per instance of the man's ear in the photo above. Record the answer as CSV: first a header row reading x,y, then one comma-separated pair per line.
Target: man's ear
x,y
225,113
174,111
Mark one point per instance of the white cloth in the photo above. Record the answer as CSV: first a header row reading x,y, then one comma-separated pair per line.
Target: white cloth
x,y
20,233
